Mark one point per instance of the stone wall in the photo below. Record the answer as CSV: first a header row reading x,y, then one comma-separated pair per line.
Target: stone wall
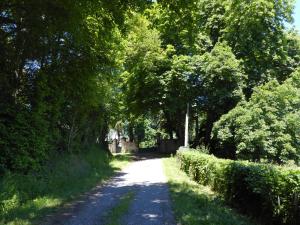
x,y
124,146
128,147
113,147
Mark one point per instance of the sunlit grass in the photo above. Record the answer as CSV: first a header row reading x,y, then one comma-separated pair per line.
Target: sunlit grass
x,y
120,160
115,215
26,213
194,204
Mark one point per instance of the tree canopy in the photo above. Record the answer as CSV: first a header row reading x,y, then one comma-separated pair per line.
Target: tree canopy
x,y
71,70
265,127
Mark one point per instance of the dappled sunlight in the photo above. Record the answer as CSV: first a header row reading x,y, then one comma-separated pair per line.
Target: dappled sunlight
x,y
149,203
29,211
96,94
31,197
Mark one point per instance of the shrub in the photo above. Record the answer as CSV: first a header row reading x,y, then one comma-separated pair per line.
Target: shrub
x,y
269,193
265,128
27,196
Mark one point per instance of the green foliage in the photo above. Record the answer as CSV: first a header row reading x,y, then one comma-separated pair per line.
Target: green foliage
x,y
115,215
147,132
27,198
57,65
269,193
70,69
220,80
157,81
267,126
143,63
255,30
183,24
214,69
24,141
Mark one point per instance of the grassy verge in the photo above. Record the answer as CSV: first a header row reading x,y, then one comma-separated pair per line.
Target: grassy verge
x,y
115,214
25,199
266,192
197,204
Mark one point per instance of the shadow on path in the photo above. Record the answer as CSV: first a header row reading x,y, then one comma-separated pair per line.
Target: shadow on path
x,y
151,203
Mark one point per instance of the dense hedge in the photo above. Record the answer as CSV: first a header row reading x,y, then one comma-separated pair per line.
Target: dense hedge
x,y
269,193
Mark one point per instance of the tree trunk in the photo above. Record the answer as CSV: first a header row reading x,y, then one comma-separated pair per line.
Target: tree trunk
x,y
210,119
70,137
196,141
130,133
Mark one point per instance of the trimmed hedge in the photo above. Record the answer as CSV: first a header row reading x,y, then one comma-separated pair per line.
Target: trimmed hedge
x,y
269,193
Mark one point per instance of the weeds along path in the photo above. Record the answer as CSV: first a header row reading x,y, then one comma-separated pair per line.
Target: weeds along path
x,y
137,195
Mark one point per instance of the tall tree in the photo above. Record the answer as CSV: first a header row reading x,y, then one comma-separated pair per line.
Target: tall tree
x,y
255,31
57,59
266,128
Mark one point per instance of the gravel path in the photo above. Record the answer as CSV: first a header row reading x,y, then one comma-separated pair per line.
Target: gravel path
x,y
151,203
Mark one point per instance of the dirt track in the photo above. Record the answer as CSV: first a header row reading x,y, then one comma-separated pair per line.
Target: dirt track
x,y
151,204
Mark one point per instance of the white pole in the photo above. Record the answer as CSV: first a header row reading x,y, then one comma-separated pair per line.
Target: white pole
x,y
186,133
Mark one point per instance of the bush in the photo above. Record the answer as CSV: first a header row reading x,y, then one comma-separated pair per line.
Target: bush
x,y
269,193
29,196
265,128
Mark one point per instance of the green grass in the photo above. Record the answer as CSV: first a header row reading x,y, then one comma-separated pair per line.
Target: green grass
x,y
25,199
115,215
194,204
120,160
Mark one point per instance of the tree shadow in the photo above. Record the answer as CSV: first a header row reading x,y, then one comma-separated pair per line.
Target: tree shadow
x,y
202,207
41,195
151,204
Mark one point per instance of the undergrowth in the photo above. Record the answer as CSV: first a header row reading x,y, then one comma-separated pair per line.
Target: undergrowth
x,y
26,198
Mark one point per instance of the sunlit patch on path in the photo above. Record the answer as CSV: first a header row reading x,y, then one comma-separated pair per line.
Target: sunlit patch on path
x,y
150,203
